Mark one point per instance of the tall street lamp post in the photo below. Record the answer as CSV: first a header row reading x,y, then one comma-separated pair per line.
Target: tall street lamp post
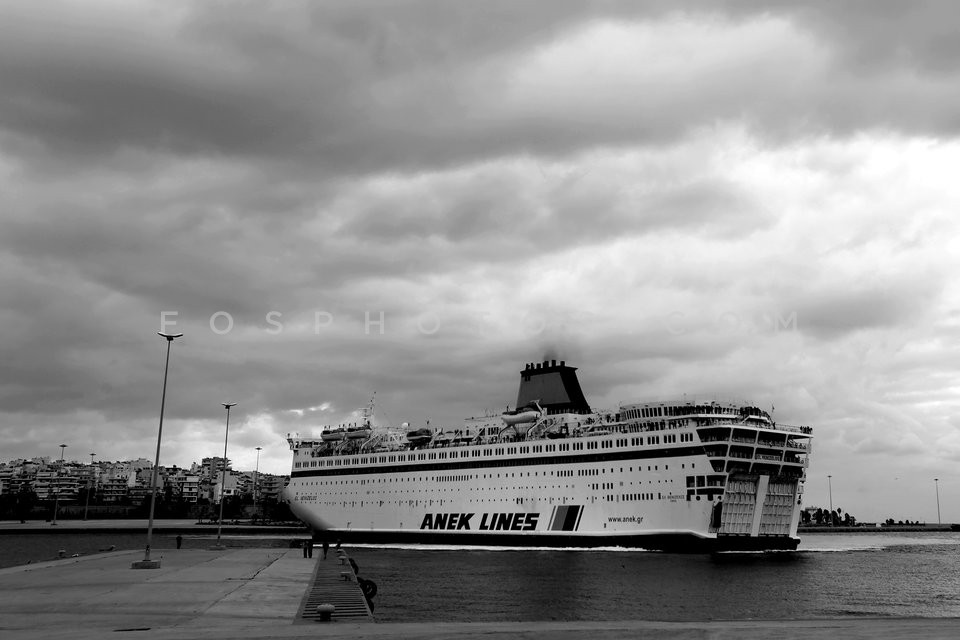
x,y
223,474
256,478
146,563
936,484
830,488
86,505
56,495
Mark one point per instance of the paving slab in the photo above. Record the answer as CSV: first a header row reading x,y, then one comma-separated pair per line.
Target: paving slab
x,y
192,588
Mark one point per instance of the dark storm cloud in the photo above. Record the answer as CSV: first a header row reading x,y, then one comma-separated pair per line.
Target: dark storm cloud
x,y
65,345
875,35
302,79
210,255
358,87
151,258
92,83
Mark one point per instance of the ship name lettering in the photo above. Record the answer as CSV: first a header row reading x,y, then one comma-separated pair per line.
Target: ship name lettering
x,y
447,521
488,521
509,521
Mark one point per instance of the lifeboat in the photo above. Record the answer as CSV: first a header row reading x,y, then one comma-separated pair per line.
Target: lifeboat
x,y
522,415
333,434
356,433
419,436
596,431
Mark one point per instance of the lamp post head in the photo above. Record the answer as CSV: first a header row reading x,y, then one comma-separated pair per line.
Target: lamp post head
x,y
259,448
170,336
227,405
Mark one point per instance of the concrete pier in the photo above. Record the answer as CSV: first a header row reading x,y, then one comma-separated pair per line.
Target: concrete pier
x,y
194,593
257,593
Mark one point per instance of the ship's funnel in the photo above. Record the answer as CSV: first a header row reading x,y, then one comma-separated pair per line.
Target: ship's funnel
x,y
555,386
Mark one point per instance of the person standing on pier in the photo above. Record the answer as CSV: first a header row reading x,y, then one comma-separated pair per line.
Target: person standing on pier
x,y
326,547
179,541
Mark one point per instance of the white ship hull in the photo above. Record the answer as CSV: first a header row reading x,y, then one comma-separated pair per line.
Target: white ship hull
x,y
702,478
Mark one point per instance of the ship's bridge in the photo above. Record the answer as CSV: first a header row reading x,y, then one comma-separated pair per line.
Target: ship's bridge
x,y
754,447
736,436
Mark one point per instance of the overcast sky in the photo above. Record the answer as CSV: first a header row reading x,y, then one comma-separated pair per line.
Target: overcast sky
x,y
735,198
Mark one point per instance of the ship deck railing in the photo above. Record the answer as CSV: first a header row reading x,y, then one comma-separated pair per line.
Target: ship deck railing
x,y
335,448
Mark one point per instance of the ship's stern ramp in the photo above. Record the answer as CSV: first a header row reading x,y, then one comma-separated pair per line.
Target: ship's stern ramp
x,y
765,465
758,505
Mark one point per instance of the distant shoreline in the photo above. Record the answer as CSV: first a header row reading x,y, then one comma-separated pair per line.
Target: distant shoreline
x,y
904,528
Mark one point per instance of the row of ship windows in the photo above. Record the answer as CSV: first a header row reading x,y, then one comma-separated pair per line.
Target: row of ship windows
x,y
623,497
439,502
597,486
670,438
706,481
632,497
497,451
660,412
649,412
604,486
566,473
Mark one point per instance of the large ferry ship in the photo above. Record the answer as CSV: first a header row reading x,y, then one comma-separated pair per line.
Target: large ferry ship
x,y
688,475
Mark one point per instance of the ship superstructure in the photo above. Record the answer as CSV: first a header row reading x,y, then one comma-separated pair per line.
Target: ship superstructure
x,y
682,475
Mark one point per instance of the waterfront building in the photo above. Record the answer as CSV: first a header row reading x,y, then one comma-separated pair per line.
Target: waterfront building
x,y
231,486
128,481
271,486
211,468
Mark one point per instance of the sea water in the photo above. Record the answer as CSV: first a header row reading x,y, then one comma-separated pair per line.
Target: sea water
x,y
856,574
905,575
